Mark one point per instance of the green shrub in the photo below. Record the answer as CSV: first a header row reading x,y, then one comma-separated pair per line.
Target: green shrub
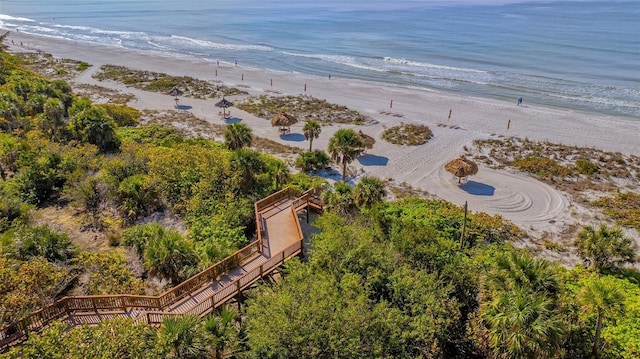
x,y
587,167
312,160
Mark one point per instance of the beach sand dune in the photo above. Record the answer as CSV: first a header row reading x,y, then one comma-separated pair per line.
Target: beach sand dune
x,y
534,206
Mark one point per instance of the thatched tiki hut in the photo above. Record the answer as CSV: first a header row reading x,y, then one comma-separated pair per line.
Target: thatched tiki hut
x,y
224,104
367,140
284,121
461,167
175,92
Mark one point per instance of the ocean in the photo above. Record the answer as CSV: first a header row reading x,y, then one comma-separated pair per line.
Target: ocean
x,y
580,55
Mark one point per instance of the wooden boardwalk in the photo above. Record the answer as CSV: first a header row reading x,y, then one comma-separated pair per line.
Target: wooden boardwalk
x,y
279,238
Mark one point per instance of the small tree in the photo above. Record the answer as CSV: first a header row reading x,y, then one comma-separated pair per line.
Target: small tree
x,y
605,247
603,296
312,130
345,146
369,191
313,160
238,135
171,257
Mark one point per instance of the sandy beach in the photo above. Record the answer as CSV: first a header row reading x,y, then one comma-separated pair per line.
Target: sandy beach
x,y
531,204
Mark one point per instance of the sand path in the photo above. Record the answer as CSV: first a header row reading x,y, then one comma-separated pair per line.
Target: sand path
x,y
527,202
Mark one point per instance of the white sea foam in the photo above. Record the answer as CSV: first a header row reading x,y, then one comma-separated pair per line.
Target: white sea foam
x,y
428,65
4,17
216,45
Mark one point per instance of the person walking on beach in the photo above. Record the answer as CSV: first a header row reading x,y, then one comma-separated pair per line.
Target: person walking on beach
x,y
519,101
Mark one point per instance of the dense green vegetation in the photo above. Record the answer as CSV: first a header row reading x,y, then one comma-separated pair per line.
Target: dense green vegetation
x,y
85,160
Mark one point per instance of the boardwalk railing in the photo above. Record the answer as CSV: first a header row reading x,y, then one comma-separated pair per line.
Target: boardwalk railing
x,y
155,306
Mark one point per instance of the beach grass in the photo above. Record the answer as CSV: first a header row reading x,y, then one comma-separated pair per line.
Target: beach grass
x,y
611,177
160,82
303,107
407,134
51,67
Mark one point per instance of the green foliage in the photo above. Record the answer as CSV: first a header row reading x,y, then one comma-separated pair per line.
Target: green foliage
x,y
150,134
109,274
542,167
153,81
340,200
624,207
95,126
345,146
170,257
122,115
182,338
587,167
311,130
353,299
604,247
518,315
12,211
138,236
41,177
369,191
307,107
41,241
138,196
115,338
83,66
28,286
312,161
238,135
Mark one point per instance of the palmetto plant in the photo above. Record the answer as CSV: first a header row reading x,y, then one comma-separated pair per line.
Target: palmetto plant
x,y
238,135
345,146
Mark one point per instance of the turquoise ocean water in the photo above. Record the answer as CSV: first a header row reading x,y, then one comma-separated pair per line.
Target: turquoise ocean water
x,y
581,55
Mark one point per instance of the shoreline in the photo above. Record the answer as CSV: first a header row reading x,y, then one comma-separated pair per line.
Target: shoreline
x,y
530,204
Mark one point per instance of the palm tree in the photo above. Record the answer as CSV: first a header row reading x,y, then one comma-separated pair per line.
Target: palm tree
x,y
369,191
311,131
603,296
280,172
605,247
223,331
340,199
345,146
183,338
248,163
169,257
94,125
521,324
238,135
517,307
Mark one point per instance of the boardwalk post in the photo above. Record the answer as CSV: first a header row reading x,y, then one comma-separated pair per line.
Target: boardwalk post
x,y
213,302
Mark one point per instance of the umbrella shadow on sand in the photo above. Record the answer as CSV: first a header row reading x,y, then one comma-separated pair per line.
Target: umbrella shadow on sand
x,y
230,120
295,137
373,160
183,107
477,188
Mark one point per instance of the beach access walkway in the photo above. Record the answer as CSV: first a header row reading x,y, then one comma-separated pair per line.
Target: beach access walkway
x,y
278,238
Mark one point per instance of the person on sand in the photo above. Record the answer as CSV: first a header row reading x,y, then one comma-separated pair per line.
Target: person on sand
x,y
519,101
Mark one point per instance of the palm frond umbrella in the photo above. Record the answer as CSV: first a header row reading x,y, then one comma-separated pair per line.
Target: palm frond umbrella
x,y
224,104
284,121
367,140
461,167
175,92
